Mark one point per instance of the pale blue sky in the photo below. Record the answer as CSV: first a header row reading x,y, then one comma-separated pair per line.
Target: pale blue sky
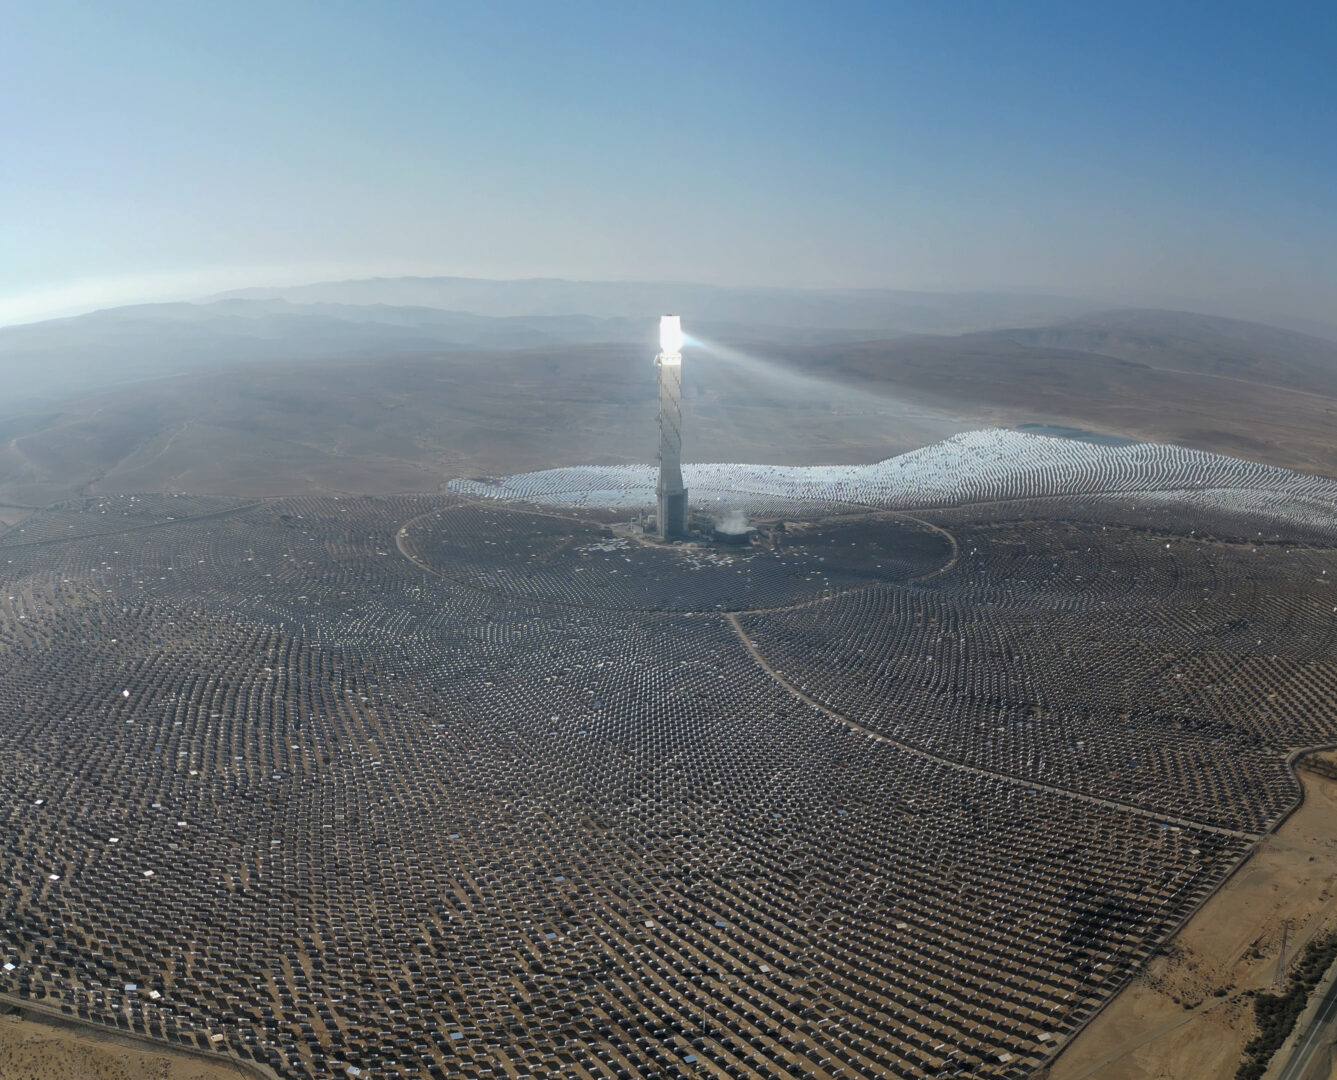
x,y
1180,153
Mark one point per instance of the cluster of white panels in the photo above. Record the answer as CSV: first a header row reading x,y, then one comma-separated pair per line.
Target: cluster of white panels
x,y
978,466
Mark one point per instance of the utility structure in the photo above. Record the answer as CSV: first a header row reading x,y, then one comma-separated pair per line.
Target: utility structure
x,y
1280,978
672,519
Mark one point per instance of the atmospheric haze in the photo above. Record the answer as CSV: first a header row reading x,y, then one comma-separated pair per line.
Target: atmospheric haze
x,y
420,656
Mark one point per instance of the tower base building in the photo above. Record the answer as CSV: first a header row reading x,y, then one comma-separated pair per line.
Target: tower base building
x,y
672,519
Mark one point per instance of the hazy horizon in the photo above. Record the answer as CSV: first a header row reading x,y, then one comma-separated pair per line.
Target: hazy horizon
x,y
82,299
1132,156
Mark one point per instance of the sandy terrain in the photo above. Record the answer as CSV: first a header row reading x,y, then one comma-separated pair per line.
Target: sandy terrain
x,y
411,424
12,515
1189,1013
31,1050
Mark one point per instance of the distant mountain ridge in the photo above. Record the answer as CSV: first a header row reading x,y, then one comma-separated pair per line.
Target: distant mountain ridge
x,y
389,317
44,361
889,312
1201,344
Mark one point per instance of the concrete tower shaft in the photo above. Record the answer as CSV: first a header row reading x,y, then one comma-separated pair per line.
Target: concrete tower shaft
x,y
672,519
670,422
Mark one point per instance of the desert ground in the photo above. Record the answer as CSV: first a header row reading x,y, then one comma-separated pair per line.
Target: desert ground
x,y
410,419
33,1049
412,424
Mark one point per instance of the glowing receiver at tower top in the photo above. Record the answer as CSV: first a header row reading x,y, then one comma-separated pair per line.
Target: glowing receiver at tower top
x,y
672,496
670,335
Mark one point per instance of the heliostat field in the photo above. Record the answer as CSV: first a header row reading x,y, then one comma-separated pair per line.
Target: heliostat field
x,y
488,784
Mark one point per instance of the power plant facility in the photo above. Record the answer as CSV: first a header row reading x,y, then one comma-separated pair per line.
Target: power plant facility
x,y
671,522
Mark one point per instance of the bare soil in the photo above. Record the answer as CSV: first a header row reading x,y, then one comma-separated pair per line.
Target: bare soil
x,y
33,1050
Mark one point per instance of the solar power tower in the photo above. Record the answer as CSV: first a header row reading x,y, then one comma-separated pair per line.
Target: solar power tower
x,y
672,519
